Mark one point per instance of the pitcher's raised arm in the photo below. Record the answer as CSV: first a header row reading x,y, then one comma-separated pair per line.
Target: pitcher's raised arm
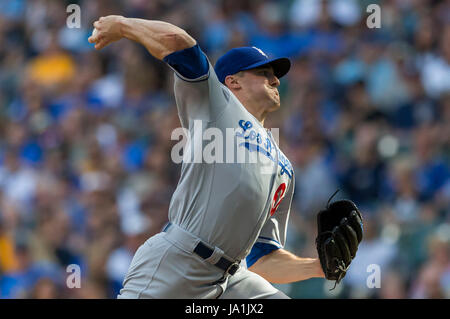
x,y
158,37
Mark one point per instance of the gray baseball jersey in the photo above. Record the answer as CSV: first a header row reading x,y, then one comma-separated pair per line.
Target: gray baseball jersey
x,y
234,193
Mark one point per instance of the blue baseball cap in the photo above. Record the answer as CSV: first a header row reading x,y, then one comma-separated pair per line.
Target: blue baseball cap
x,y
246,58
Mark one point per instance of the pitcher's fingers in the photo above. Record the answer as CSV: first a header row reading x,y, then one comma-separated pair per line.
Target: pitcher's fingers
x,y
92,39
101,44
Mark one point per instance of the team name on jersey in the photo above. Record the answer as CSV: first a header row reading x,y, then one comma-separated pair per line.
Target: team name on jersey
x,y
260,142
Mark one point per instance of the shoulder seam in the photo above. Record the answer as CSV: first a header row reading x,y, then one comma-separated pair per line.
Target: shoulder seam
x,y
199,79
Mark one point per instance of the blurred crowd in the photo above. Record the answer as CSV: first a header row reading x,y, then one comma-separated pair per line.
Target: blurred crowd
x,y
85,168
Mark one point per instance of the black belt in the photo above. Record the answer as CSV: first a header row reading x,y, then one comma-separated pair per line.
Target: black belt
x,y
229,267
205,252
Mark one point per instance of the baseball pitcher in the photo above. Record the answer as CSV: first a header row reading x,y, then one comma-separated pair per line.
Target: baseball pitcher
x,y
227,218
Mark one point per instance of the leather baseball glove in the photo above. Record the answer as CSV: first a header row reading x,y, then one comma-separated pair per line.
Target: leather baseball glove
x,y
340,230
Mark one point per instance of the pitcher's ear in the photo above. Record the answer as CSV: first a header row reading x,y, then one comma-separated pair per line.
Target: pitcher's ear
x,y
232,82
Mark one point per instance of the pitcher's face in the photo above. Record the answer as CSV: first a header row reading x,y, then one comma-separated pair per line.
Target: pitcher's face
x,y
261,85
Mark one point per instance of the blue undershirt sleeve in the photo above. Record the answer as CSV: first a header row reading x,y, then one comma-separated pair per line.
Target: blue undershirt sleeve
x,y
259,250
190,63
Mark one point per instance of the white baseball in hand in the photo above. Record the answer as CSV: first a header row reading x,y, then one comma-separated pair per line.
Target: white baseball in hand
x,y
94,32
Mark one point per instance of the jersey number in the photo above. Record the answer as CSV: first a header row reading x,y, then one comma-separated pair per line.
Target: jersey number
x,y
277,198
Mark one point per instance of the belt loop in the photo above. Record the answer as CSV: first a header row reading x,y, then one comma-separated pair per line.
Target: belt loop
x,y
181,238
192,244
166,227
216,255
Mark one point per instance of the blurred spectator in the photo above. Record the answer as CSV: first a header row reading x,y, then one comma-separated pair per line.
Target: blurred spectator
x,y
45,288
432,171
363,175
405,193
377,249
88,290
136,230
52,67
8,259
28,274
393,286
432,280
314,184
17,182
435,66
306,13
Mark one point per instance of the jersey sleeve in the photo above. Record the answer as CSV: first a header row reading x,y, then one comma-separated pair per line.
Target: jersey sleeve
x,y
273,233
199,95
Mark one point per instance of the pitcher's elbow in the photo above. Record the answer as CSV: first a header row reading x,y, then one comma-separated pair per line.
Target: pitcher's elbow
x,y
176,41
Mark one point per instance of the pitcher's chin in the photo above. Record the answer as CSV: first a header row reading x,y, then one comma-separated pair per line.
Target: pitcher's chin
x,y
274,107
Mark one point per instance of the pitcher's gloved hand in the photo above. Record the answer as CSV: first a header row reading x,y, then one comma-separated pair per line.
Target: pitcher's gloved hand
x,y
340,230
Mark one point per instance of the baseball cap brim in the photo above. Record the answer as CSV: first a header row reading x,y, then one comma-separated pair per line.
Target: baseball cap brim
x,y
280,66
